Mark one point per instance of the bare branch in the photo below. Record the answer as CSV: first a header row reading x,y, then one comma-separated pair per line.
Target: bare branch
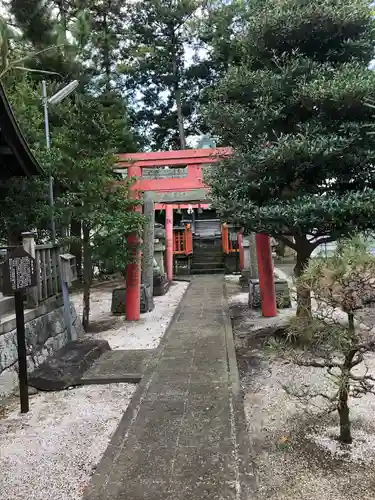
x,y
317,364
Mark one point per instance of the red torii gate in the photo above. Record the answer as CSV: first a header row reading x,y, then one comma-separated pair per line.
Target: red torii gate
x,y
193,159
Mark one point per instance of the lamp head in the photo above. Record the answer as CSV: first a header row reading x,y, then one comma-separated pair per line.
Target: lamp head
x,y
64,92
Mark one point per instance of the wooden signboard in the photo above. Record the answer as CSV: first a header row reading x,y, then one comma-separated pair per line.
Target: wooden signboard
x,y
19,274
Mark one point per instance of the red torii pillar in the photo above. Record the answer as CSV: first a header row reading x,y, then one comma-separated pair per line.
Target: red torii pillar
x,y
133,270
266,277
169,241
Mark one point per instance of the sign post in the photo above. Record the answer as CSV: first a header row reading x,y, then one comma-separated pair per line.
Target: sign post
x,y
19,274
21,351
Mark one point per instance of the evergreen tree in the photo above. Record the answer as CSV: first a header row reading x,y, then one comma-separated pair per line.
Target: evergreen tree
x,y
294,112
87,129
159,66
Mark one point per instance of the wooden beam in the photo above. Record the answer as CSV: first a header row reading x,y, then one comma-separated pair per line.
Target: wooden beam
x,y
176,206
169,162
185,154
165,185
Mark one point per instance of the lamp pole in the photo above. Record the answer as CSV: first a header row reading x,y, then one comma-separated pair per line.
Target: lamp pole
x,y
48,145
55,99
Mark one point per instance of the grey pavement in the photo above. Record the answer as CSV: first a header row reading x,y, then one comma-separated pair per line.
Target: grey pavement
x,y
183,435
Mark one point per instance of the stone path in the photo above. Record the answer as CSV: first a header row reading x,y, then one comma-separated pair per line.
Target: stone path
x,y
183,435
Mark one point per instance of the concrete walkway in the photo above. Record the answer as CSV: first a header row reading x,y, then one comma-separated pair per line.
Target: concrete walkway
x,y
183,435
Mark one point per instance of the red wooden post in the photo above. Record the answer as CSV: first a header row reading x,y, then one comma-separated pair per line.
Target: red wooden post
x,y
133,270
169,241
266,278
241,251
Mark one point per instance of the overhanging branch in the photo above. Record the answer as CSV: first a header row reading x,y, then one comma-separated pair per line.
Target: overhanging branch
x,y
287,242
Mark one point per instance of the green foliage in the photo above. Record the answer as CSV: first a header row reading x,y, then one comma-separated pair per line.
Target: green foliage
x,y
344,280
87,129
156,67
333,340
33,17
294,112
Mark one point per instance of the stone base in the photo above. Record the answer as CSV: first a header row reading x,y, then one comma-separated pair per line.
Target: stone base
x,y
119,300
66,367
182,266
282,294
244,280
147,299
232,263
161,285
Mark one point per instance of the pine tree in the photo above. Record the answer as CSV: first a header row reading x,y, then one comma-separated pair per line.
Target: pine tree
x,y
294,112
156,66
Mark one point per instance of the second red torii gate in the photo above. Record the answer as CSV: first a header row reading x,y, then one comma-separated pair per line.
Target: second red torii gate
x,y
194,160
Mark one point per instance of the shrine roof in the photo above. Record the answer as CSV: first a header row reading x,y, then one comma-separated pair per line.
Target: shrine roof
x,y
16,158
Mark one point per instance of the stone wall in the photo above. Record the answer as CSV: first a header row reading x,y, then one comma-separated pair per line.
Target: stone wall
x,y
45,333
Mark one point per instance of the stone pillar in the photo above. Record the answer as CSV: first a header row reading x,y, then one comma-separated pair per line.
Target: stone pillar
x,y
28,243
133,270
159,249
169,241
148,240
253,262
246,253
241,251
266,276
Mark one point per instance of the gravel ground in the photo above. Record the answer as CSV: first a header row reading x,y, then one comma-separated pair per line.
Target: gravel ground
x,y
295,452
121,334
51,452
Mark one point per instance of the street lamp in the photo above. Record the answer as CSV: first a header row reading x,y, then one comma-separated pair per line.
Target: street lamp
x,y
55,99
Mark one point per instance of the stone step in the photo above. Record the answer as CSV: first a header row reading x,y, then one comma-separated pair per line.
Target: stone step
x,y
208,257
208,264
208,270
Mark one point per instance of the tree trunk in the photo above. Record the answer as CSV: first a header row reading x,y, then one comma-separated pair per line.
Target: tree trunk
x,y
87,276
280,248
304,250
76,245
178,98
343,409
106,54
351,327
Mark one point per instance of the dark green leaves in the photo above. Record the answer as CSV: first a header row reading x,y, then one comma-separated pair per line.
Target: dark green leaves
x,y
294,113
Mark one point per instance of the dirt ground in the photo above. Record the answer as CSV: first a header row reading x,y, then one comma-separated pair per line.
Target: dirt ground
x,y
295,453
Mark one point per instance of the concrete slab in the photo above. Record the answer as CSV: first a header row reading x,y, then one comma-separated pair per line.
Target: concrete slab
x,y
118,366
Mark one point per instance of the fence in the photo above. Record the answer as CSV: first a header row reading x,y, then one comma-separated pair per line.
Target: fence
x,y
47,260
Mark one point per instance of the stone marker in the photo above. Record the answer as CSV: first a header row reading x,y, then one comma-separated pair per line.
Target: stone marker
x,y
148,240
282,294
161,284
66,367
119,299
